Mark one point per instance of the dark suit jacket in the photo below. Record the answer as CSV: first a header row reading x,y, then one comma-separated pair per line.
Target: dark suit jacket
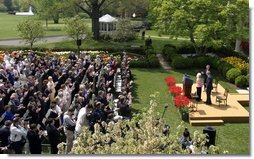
x,y
209,83
4,136
53,135
34,142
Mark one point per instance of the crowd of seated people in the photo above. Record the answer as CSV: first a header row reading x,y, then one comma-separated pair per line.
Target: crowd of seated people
x,y
43,97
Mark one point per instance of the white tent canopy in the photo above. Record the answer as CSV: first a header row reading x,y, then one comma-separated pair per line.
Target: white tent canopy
x,y
107,19
107,23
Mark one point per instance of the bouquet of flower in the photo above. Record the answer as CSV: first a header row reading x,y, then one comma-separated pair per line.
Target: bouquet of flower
x,y
170,80
182,102
175,90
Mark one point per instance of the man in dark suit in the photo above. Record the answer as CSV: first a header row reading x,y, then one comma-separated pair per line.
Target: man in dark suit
x,y
204,73
34,140
209,87
53,136
5,133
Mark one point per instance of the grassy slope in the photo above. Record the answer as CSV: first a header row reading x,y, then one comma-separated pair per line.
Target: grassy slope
x,y
232,137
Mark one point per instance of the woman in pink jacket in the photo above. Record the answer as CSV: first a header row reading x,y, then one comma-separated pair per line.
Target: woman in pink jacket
x,y
199,84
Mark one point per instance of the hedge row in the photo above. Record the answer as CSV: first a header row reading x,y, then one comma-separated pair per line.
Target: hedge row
x,y
227,70
150,62
188,48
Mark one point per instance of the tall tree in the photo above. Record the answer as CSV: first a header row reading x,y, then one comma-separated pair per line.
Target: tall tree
x,y
93,8
199,19
8,4
77,29
236,13
49,9
31,31
125,9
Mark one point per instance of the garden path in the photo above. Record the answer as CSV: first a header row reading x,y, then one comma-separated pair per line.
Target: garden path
x,y
20,42
163,62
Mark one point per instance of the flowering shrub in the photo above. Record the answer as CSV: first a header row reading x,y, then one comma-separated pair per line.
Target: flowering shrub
x,y
175,90
238,63
170,80
181,102
143,134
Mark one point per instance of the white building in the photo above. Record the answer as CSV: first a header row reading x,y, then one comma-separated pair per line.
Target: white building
x,y
29,13
107,23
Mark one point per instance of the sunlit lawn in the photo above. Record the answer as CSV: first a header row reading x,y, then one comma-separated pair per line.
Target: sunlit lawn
x,y
8,28
232,137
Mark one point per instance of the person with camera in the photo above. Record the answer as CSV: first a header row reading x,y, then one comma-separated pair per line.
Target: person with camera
x,y
69,127
186,139
17,136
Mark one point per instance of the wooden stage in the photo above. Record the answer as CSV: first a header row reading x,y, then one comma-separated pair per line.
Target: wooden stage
x,y
214,114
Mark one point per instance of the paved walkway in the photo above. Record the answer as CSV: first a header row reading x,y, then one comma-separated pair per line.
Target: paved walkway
x,y
163,62
20,42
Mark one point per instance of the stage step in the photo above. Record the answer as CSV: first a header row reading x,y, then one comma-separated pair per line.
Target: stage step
x,y
206,122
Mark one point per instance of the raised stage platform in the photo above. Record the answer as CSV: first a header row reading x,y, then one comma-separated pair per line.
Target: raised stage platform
x,y
214,114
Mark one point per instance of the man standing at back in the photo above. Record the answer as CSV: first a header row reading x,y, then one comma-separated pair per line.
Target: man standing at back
x,y
5,133
209,87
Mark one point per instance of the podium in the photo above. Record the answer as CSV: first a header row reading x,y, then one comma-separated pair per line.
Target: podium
x,y
187,85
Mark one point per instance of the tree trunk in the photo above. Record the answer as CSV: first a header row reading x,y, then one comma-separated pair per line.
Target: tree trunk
x,y
95,22
239,27
56,18
237,45
194,43
46,22
31,45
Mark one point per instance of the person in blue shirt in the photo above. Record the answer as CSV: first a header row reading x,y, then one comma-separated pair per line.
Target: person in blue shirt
x,y
7,115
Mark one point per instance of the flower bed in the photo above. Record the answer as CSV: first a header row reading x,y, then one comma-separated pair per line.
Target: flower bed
x,y
238,63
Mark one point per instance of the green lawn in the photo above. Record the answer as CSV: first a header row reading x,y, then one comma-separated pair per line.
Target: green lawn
x,y
232,137
8,29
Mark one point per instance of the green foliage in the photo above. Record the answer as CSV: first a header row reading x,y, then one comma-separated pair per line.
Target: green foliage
x,y
223,67
151,62
30,30
8,4
236,17
3,8
76,28
232,74
238,63
181,62
248,78
200,61
124,31
49,9
241,81
197,19
169,52
186,48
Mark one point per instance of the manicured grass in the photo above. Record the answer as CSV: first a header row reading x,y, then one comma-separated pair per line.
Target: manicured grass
x,y
232,137
8,29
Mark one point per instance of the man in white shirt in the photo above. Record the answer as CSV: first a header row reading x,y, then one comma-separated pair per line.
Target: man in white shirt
x,y
17,136
81,119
